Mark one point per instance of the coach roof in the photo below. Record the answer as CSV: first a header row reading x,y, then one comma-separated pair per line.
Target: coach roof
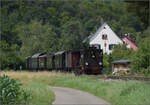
x,y
37,55
58,53
44,55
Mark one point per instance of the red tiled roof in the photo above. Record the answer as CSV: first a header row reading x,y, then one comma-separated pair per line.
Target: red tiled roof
x,y
131,42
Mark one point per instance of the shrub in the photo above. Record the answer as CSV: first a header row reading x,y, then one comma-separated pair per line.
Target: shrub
x,y
11,92
145,70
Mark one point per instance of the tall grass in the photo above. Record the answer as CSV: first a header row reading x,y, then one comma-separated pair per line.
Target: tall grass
x,y
116,92
40,93
11,92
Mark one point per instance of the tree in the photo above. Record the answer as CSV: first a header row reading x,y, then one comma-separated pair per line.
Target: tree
x,y
122,52
72,36
140,8
10,57
107,60
142,56
36,37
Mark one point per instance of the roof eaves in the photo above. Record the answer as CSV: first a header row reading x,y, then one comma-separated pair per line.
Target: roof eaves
x,y
122,61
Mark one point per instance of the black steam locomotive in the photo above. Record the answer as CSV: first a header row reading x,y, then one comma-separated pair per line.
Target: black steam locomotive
x,y
87,61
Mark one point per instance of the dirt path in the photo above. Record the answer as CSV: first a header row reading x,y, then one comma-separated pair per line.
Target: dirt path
x,y
72,96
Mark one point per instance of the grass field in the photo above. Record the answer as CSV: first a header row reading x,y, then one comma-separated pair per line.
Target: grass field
x,y
115,92
40,93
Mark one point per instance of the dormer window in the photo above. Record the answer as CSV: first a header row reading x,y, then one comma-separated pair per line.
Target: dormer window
x,y
104,36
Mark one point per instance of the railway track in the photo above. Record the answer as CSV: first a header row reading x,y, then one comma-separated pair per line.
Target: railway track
x,y
129,78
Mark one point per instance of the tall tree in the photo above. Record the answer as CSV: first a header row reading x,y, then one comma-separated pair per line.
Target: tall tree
x,y
36,37
72,36
140,8
142,56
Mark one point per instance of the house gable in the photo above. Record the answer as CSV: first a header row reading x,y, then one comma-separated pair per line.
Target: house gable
x,y
105,37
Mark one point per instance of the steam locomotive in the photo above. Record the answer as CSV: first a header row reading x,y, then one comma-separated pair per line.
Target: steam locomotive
x,y
87,61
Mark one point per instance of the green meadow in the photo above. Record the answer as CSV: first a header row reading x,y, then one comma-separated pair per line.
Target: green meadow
x,y
115,92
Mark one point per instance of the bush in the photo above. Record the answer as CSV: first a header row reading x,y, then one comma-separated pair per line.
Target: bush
x,y
145,70
107,59
11,92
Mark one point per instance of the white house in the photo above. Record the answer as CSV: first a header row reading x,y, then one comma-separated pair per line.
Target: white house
x,y
105,38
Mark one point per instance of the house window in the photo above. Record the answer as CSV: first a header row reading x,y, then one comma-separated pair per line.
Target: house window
x,y
104,36
111,46
98,46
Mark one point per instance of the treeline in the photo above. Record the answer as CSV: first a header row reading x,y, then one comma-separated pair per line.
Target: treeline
x,y
28,27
